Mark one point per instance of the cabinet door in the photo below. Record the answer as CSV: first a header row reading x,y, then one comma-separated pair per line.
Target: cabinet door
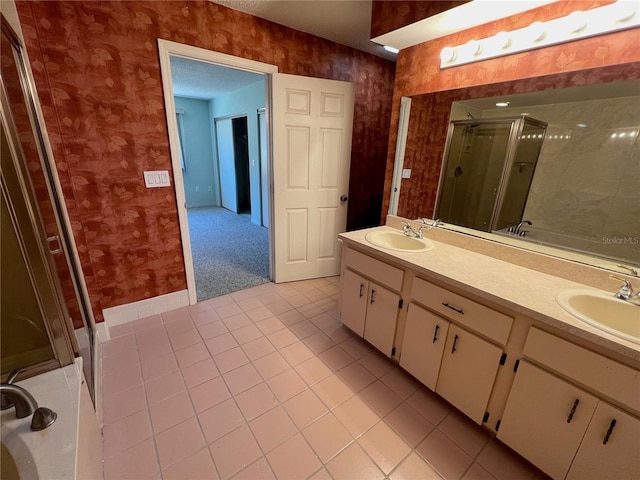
x,y
354,301
610,449
382,312
545,418
424,338
468,370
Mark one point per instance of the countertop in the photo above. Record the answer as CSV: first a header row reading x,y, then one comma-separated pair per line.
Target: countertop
x,y
517,288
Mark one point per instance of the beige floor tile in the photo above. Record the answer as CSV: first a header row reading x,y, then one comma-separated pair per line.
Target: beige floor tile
x,y
208,394
258,470
319,342
414,468
380,398
164,387
212,329
400,382
138,461
293,459
338,333
246,334
159,366
242,378
313,371
296,353
503,464
355,376
409,424
430,405
255,401
279,307
353,463
477,472
200,372
237,321
249,304
123,360
119,345
123,434
219,420
282,338
327,437
228,310
193,354
465,433
384,446
303,329
286,385
184,338
305,408
258,348
322,319
272,428
170,412
270,324
332,391
197,466
356,416
120,381
290,317
258,314
449,460
321,474
230,360
124,404
356,347
234,451
336,358
179,442
205,317
271,365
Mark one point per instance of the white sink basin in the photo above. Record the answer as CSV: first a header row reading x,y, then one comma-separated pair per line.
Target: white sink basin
x,y
398,241
603,311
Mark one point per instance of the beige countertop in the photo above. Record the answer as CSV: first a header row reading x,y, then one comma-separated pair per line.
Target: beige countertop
x,y
520,289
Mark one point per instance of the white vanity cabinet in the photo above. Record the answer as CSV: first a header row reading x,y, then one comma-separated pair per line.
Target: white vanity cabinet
x,y
445,355
425,335
368,307
569,430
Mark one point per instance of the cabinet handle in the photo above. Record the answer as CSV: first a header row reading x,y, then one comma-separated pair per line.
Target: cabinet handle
x,y
455,342
573,410
459,310
609,431
361,287
435,334
373,292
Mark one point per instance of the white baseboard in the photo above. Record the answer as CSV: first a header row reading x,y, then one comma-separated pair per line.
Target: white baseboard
x,y
141,309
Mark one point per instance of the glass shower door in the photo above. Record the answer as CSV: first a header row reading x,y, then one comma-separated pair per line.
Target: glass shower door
x,y
474,167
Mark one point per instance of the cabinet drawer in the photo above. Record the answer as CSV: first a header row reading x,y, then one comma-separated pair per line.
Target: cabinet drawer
x,y
375,269
473,315
603,375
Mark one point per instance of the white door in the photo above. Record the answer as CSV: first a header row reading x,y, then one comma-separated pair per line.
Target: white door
x,y
312,126
226,160
264,168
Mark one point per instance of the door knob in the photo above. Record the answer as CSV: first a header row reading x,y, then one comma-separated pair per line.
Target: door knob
x,y
344,198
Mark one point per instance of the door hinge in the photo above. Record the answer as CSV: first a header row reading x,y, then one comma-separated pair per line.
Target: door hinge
x,y
486,417
503,359
400,303
393,351
516,365
497,425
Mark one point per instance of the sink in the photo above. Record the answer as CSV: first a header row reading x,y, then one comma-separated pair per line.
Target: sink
x,y
603,311
398,241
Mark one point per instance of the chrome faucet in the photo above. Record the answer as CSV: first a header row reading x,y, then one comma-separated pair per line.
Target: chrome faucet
x,y
626,291
519,226
410,232
26,405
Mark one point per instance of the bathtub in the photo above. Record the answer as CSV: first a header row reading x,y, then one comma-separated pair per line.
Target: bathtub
x,y
51,453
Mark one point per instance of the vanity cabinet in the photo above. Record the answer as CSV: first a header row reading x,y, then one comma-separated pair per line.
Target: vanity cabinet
x,y
445,355
368,307
425,335
569,430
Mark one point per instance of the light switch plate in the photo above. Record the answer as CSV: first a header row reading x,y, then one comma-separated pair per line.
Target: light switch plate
x,y
406,173
157,178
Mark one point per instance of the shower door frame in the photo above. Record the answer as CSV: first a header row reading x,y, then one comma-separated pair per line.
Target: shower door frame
x,y
517,125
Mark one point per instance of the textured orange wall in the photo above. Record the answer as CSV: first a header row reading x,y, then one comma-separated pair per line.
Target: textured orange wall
x,y
98,77
389,15
418,72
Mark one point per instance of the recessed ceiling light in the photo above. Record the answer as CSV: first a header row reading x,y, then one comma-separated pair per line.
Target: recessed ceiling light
x,y
391,49
581,125
502,104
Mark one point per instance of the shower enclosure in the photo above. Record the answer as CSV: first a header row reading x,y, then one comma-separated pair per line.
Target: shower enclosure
x,y
487,171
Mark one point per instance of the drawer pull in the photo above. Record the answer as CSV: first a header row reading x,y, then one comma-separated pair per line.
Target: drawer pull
x,y
459,310
373,292
609,431
361,287
573,410
435,334
455,342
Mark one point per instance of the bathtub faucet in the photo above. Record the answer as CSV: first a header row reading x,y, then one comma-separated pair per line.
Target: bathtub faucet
x,y
26,405
519,226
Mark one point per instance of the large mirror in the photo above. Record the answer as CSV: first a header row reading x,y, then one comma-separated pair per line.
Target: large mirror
x,y
582,186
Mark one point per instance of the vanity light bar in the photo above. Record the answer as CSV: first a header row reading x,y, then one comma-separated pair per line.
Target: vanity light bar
x,y
617,16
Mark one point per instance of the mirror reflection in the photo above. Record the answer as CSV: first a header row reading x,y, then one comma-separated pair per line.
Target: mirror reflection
x,y
559,168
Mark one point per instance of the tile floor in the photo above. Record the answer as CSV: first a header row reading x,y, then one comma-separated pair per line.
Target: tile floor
x,y
265,383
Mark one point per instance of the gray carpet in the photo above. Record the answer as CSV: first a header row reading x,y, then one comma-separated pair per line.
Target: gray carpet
x,y
229,252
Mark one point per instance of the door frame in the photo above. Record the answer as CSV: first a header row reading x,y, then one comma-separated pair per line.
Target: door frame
x,y
166,49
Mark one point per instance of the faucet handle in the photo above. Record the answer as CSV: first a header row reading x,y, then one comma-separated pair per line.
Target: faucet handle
x,y
626,290
633,271
6,402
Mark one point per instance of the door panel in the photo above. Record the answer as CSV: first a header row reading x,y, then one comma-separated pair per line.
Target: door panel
x,y
380,322
353,300
312,153
226,160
